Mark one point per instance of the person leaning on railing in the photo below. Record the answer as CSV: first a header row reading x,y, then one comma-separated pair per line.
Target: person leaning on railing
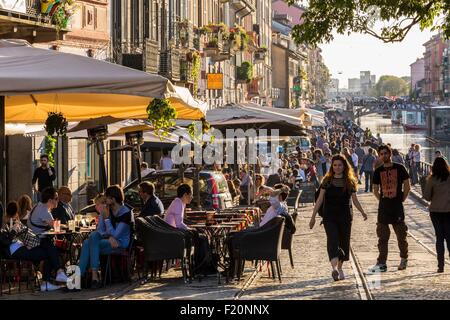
x,y
437,191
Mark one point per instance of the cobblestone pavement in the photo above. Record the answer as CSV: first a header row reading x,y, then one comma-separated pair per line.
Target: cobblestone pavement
x,y
311,277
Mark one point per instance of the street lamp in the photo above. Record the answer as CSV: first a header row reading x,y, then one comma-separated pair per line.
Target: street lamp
x,y
98,135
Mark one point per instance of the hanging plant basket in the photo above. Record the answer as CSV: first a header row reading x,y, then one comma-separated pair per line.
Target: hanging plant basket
x,y
162,115
56,124
50,148
196,131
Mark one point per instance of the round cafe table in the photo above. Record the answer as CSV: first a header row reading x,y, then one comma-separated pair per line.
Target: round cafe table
x,y
74,241
217,234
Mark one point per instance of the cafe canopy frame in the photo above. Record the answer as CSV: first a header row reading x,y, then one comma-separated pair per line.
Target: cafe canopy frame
x,y
35,81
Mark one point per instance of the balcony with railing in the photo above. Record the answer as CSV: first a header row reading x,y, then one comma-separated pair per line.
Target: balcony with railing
x,y
242,7
186,34
151,56
31,20
169,64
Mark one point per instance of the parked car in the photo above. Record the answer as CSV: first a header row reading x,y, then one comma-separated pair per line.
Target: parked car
x,y
214,193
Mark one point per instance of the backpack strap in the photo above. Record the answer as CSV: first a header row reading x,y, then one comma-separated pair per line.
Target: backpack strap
x,y
47,228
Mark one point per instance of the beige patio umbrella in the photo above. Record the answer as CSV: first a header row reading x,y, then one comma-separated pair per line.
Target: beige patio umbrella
x,y
34,82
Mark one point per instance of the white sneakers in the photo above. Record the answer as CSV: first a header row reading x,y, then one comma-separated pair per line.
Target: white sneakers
x,y
341,274
47,286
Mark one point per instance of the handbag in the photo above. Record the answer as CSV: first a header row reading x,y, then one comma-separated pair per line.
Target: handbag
x,y
28,238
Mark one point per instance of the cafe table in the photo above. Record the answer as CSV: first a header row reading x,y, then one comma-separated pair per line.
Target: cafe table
x,y
217,235
73,241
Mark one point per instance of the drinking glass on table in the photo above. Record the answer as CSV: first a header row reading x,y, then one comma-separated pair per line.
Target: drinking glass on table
x,y
71,225
57,226
78,219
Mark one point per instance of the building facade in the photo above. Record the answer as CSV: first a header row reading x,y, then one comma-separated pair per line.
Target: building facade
x,y
313,77
417,75
354,86
367,82
446,72
433,68
199,44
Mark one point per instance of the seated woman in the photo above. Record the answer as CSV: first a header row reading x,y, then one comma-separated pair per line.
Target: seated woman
x,y
25,205
113,231
26,246
175,215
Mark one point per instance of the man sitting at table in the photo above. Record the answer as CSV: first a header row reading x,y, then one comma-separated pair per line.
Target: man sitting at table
x,y
64,211
152,204
41,219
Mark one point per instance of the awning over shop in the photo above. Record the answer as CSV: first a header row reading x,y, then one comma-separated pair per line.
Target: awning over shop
x,y
37,81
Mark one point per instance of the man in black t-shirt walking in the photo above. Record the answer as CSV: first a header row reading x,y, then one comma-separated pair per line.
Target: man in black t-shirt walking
x,y
391,187
44,175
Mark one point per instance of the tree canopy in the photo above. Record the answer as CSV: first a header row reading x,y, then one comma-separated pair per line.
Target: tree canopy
x,y
323,17
391,86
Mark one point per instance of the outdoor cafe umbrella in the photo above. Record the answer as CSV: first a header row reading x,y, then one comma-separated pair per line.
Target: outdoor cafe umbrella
x,y
34,82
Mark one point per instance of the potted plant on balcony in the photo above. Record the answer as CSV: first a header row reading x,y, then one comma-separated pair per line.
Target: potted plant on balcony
x,y
260,54
212,46
61,12
245,39
162,115
244,73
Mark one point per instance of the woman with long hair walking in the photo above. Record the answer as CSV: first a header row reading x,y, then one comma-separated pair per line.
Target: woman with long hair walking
x,y
337,192
437,191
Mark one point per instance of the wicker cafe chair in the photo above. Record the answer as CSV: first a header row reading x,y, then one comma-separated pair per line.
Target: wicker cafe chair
x,y
162,244
293,200
158,222
286,243
262,244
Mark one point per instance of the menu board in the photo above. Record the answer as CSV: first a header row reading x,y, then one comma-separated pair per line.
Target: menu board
x,y
308,192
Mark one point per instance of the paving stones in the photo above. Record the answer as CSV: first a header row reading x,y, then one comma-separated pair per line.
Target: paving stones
x,y
311,278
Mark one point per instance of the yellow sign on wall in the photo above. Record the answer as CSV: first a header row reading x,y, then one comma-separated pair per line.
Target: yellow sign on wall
x,y
215,81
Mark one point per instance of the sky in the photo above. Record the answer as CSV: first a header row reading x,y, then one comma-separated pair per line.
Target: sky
x,y
355,53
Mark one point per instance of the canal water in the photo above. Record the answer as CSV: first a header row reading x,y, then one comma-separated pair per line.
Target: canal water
x,y
401,139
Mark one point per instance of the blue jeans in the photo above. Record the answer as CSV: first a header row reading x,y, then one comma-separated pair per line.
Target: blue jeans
x,y
369,183
91,250
415,173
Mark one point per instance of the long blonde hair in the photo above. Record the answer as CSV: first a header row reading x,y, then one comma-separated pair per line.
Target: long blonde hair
x,y
351,183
